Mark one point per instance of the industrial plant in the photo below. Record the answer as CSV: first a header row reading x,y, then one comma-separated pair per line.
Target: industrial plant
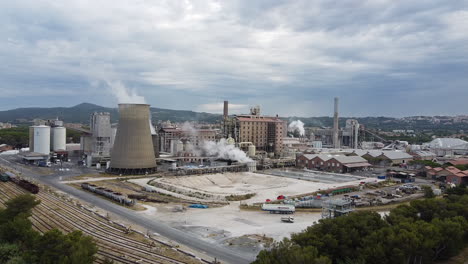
x,y
226,182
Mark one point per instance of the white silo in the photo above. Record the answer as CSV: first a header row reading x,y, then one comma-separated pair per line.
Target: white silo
x,y
58,138
251,151
41,139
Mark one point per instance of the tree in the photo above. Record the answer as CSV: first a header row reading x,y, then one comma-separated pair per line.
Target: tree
x,y
422,232
8,251
428,192
19,243
22,204
287,252
72,248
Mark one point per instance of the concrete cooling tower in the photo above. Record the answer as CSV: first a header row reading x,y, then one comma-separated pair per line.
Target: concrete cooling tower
x,y
133,151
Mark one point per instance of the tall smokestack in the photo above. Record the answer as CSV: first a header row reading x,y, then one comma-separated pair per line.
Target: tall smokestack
x,y
133,151
226,109
336,142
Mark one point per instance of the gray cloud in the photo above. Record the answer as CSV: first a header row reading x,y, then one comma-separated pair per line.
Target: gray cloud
x,y
292,57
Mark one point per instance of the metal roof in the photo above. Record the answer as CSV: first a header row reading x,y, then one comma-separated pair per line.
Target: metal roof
x,y
349,159
393,155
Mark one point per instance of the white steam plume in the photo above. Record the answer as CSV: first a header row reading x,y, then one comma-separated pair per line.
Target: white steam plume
x,y
187,127
297,126
222,150
125,95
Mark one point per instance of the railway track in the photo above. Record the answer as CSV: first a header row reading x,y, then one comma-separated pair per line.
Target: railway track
x,y
111,240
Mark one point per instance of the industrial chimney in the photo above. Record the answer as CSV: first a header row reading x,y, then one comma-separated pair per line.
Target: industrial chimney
x,y
133,151
336,142
226,109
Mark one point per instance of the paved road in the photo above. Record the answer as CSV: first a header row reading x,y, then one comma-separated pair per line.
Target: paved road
x,y
211,249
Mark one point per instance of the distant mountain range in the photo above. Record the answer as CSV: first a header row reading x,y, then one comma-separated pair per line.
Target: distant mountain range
x,y
81,114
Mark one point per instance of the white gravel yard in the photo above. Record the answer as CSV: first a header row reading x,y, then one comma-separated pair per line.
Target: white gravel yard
x,y
223,224
264,186
232,221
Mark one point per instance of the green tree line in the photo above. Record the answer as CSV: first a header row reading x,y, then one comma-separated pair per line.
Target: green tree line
x,y
424,231
21,244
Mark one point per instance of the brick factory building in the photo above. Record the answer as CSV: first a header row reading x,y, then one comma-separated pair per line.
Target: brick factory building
x,y
265,132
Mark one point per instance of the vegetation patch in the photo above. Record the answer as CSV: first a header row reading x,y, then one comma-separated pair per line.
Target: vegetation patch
x,y
20,243
240,197
423,231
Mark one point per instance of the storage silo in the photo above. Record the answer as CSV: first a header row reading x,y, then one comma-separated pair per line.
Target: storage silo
x,y
41,139
31,138
251,151
58,138
133,151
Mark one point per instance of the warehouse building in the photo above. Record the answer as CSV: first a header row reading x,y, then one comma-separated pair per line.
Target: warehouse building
x,y
332,163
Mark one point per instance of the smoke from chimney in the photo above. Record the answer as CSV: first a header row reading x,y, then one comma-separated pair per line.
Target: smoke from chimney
x,y
298,126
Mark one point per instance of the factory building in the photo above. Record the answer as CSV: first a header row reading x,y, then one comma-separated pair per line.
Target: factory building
x,y
264,132
172,138
133,150
96,143
336,137
332,163
101,134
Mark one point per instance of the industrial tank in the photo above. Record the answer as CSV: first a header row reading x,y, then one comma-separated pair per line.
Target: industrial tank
x,y
41,139
133,151
58,138
31,139
252,150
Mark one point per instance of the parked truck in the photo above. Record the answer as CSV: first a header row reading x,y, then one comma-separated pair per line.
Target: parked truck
x,y
279,208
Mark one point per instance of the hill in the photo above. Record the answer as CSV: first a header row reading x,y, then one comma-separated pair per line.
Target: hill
x,y
81,113
440,125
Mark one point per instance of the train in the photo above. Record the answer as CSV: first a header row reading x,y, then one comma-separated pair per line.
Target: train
x,y
25,184
116,196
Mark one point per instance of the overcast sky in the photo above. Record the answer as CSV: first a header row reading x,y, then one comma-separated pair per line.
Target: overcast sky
x,y
392,58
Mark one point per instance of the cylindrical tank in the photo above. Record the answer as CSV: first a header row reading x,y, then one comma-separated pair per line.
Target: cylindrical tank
x,y
58,138
41,139
133,151
31,138
180,146
252,150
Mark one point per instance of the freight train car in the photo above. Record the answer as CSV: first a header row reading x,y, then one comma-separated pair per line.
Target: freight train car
x,y
4,177
116,196
25,184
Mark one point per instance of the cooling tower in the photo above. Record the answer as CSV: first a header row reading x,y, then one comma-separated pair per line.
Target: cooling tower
x,y
133,151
